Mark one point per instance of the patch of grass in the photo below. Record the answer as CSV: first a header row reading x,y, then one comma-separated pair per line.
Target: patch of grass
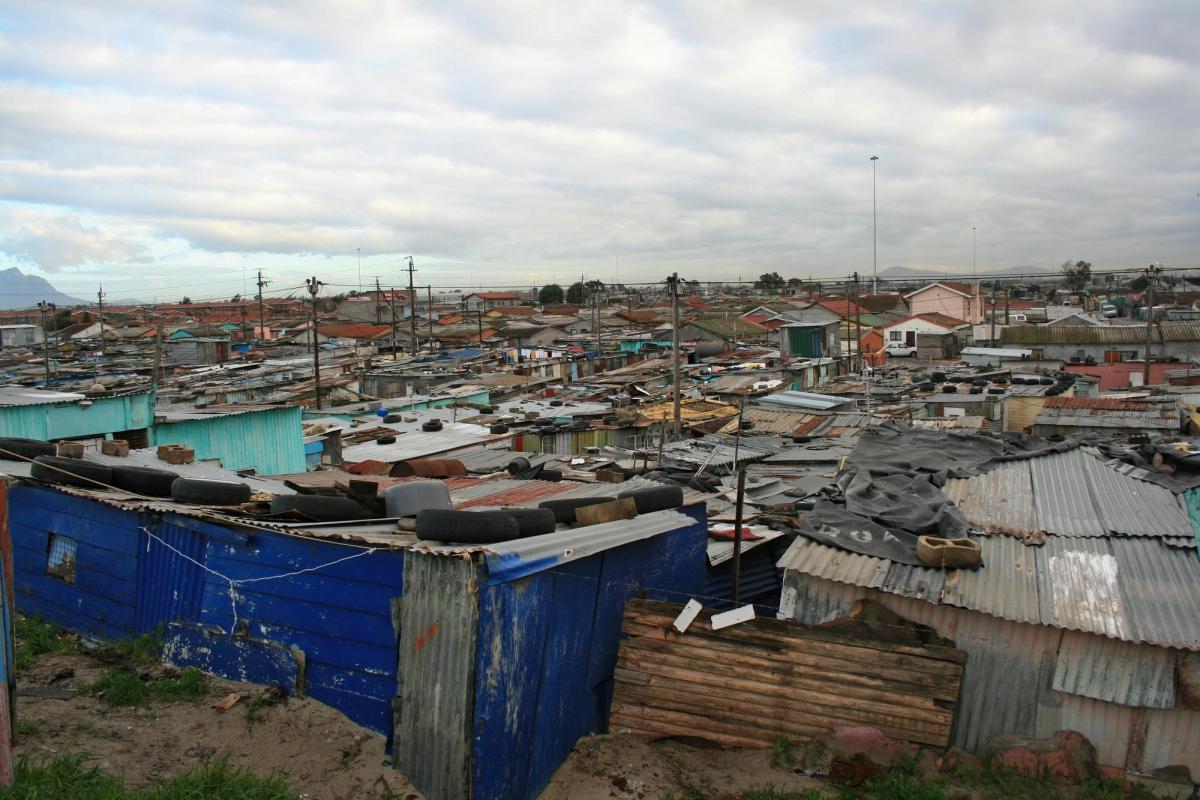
x,y
999,782
257,705
77,778
904,785
35,637
140,651
783,753
772,793
121,687
28,727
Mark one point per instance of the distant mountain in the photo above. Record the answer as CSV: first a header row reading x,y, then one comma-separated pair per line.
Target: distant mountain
x,y
18,290
906,273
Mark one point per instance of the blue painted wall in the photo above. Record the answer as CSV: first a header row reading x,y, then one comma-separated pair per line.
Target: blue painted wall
x,y
339,617
547,647
67,420
271,440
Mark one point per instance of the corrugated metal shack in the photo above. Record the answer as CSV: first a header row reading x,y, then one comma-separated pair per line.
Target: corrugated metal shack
x,y
1087,603
268,439
507,651
35,414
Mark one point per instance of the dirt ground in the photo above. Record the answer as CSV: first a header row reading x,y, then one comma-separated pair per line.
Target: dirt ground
x,y
317,749
628,768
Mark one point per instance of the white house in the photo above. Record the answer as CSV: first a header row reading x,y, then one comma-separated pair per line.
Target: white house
x,y
906,330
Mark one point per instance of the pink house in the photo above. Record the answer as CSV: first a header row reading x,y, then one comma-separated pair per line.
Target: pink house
x,y
948,298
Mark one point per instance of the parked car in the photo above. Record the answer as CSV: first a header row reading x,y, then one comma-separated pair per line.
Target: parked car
x,y
900,349
1109,310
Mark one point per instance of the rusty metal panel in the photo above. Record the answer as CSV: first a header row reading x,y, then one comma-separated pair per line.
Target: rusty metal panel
x,y
1106,725
1115,671
1000,501
1163,591
439,621
1080,587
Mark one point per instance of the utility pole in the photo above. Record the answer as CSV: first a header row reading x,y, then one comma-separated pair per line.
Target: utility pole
x,y
596,321
358,250
43,307
154,376
857,325
245,338
874,232
429,312
479,320
100,303
994,287
262,319
314,286
412,306
972,251
673,285
1152,272
392,306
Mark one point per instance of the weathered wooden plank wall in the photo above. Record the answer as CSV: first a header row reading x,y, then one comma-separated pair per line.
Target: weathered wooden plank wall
x,y
750,684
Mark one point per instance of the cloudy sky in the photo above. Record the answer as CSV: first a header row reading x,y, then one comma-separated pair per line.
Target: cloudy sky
x,y
175,148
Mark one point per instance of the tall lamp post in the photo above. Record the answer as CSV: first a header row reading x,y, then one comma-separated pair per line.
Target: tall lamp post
x,y
874,233
972,251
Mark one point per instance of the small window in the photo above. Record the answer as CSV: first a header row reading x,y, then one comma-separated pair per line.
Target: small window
x,y
896,336
60,557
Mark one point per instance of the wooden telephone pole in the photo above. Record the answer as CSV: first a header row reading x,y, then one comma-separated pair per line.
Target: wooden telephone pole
x,y
314,286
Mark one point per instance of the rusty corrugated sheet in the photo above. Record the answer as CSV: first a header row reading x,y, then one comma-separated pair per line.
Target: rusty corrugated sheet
x,y
1080,587
436,673
1163,591
1114,671
815,601
1000,501
1063,497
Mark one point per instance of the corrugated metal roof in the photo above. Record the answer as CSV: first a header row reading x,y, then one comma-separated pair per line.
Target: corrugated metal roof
x,y
1153,418
1062,495
1162,586
1135,507
1005,586
1115,671
1080,587
999,501
412,442
1076,334
834,564
804,400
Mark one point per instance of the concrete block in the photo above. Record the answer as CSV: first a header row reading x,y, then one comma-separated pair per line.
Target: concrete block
x,y
70,449
115,447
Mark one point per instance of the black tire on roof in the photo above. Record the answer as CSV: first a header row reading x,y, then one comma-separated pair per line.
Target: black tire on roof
x,y
71,472
209,492
466,527
552,475
656,499
498,429
317,507
564,510
431,425
518,465
390,418
533,521
144,480
12,447
386,440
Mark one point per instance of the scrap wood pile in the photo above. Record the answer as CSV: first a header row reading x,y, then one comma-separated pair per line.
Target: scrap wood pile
x,y
749,684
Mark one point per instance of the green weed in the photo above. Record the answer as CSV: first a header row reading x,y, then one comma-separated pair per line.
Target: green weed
x,y
772,793
783,753
140,651
35,637
120,687
28,727
904,785
75,777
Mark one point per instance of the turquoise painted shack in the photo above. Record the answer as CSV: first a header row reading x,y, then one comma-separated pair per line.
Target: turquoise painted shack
x,y
35,414
266,439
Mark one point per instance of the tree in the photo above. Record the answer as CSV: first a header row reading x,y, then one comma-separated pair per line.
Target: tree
x,y
551,294
575,293
186,301
793,282
771,281
237,298
1077,276
1140,283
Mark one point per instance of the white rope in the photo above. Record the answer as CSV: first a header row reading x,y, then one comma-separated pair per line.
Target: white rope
x,y
236,582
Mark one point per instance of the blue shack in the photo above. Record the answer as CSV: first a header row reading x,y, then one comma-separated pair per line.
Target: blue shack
x,y
483,665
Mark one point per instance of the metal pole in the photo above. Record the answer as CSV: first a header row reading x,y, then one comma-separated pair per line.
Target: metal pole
x,y
479,320
358,250
857,326
154,377
994,287
412,306
429,312
43,307
262,319
874,233
972,251
1152,275
314,286
737,531
100,302
673,283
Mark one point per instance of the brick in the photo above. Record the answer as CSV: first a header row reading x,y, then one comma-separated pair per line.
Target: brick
x,y
176,454
115,447
70,449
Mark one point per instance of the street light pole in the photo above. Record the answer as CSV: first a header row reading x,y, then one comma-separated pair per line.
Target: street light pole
x,y
43,307
972,251
874,233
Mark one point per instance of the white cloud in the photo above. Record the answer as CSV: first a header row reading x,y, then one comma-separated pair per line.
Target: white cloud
x,y
540,137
